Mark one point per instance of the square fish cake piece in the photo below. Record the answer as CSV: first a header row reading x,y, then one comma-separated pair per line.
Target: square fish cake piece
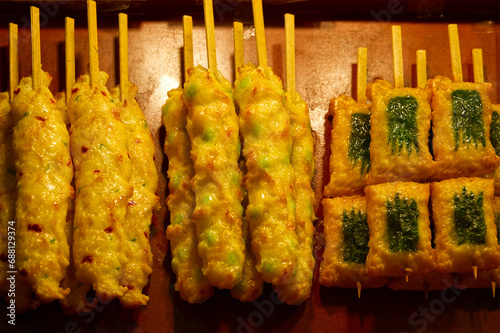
x,y
350,147
464,221
346,244
400,124
461,119
400,234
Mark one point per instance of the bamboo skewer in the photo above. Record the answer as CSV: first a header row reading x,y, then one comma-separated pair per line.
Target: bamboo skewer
x,y
210,31
239,57
260,35
13,59
361,75
123,41
456,62
290,52
93,44
36,60
477,64
421,68
187,23
397,51
70,55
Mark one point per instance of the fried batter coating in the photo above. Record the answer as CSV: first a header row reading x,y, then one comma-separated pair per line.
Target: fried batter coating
x,y
399,226
44,169
267,148
298,289
466,234
346,244
191,284
400,123
350,147
7,188
212,125
103,190
461,118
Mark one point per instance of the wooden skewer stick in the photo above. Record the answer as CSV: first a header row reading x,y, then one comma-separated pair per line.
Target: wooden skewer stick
x,y
493,287
397,52
93,44
69,44
358,285
421,68
210,31
260,35
361,75
187,24
36,59
13,59
123,41
290,52
474,271
477,64
239,57
456,62
408,271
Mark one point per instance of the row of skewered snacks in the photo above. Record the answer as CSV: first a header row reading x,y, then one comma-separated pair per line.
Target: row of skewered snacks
x,y
217,241
388,140
68,241
392,236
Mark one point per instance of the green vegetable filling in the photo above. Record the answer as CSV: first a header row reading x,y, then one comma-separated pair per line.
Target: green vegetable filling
x,y
359,141
402,121
402,224
470,226
495,132
468,125
191,90
497,223
355,233
208,135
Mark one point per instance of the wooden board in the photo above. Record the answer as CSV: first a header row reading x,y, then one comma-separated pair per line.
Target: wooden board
x,y
326,52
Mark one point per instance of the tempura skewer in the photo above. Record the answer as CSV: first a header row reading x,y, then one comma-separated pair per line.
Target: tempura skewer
x,y
7,169
191,284
144,179
267,148
251,285
44,174
212,125
102,173
298,288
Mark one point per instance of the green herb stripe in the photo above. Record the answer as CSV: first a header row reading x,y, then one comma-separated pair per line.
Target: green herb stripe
x,y
468,125
470,226
402,224
355,231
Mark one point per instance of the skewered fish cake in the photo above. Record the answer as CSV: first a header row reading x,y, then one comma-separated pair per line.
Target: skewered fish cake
x,y
461,118
350,147
400,123
102,174
212,125
7,187
192,285
495,141
400,236
144,179
298,289
346,244
267,147
44,173
462,210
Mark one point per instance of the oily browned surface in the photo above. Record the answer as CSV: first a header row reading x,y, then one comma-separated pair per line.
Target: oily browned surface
x,y
326,51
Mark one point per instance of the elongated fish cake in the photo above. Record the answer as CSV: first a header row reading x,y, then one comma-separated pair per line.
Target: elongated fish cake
x,y
298,289
44,169
350,147
191,284
103,190
7,190
144,179
267,148
212,125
